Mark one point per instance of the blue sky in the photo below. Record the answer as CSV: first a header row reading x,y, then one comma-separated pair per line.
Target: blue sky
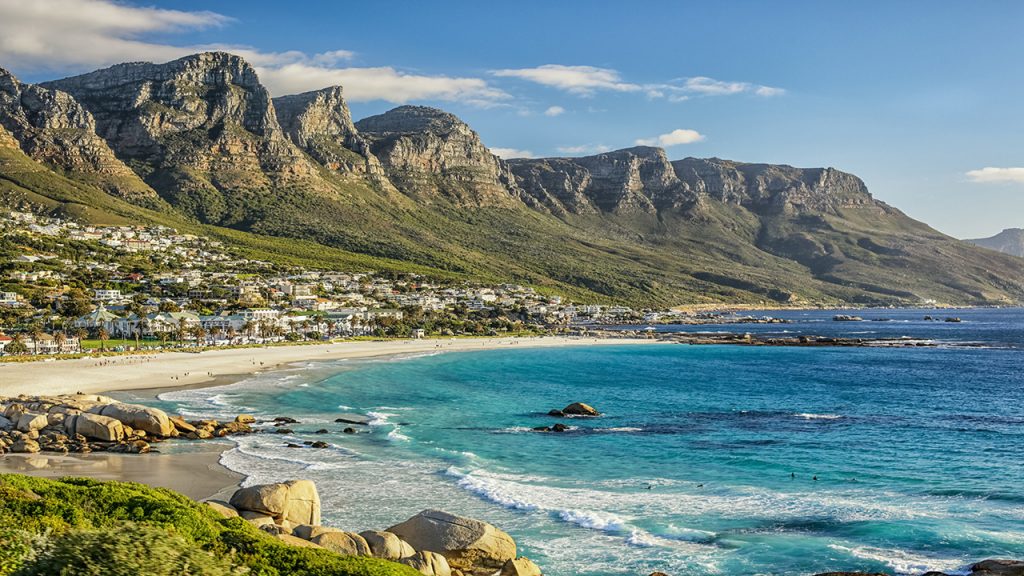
x,y
921,99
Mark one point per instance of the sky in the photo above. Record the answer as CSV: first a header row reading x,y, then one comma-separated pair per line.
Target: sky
x,y
920,99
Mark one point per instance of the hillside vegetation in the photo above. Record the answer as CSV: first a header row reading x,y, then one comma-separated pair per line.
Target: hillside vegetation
x,y
76,526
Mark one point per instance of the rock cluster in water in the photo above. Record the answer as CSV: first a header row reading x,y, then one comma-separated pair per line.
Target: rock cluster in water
x,y
433,542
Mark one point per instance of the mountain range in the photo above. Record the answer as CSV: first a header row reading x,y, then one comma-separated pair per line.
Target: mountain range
x,y
1009,241
199,143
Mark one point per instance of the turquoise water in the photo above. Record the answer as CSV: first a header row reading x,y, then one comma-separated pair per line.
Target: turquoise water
x,y
705,459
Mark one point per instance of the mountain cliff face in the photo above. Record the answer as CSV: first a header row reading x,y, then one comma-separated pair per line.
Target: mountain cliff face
x,y
52,128
1009,241
631,181
431,154
320,123
416,185
199,130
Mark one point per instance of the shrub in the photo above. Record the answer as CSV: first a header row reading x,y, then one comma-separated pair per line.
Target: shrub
x,y
130,550
147,530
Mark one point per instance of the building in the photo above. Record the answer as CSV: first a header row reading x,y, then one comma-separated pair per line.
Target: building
x,y
108,295
98,318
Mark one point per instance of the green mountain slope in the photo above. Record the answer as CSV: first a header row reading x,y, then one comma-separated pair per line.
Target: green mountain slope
x,y
414,188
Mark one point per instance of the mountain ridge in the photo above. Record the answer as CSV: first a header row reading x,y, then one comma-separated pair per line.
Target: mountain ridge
x,y
416,184
1009,241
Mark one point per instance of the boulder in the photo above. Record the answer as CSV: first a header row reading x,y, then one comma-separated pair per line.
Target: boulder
x,y
429,563
223,508
5,424
245,419
257,519
182,426
997,567
296,501
346,543
580,409
25,445
294,541
387,546
29,421
469,545
152,420
309,531
520,567
95,426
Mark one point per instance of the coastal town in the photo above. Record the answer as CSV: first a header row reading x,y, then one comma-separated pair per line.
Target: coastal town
x,y
68,288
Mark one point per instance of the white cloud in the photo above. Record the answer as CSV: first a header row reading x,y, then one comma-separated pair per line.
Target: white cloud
x,y
673,138
382,83
584,149
506,153
72,36
582,80
554,111
990,174
704,86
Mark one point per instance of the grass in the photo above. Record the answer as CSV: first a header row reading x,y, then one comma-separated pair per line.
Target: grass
x,y
75,523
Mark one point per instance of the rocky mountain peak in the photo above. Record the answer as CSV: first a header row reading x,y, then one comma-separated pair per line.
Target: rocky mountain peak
x,y
50,126
413,119
320,123
1009,241
428,153
775,188
628,181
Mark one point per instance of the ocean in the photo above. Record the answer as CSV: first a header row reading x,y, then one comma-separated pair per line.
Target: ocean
x,y
707,459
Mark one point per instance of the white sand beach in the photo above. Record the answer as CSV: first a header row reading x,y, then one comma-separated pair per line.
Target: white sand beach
x,y
173,369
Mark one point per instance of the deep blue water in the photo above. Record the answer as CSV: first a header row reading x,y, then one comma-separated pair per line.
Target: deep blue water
x,y
705,459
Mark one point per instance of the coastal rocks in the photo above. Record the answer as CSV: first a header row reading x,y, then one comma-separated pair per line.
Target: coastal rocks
x,y
428,563
223,508
25,445
95,426
295,501
28,422
152,420
580,409
294,541
469,545
997,567
521,566
5,424
386,545
245,419
347,543
556,428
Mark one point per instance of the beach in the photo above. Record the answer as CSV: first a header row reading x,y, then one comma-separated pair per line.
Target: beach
x,y
174,369
198,474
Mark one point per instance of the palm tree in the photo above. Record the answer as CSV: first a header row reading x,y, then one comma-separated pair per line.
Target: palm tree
x,y
232,333
179,332
59,338
36,331
199,333
248,328
216,331
103,335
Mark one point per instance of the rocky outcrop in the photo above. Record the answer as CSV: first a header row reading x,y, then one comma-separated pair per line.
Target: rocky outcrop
x,y
51,127
430,154
472,546
320,123
520,567
774,189
387,545
201,128
637,180
295,502
428,563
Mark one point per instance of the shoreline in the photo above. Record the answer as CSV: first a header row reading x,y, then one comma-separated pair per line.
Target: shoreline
x,y
199,473
180,369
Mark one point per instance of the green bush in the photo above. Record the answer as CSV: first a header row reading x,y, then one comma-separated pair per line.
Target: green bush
x,y
131,550
87,520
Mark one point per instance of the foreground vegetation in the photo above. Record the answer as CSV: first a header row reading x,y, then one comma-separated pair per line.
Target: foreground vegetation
x,y
76,526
